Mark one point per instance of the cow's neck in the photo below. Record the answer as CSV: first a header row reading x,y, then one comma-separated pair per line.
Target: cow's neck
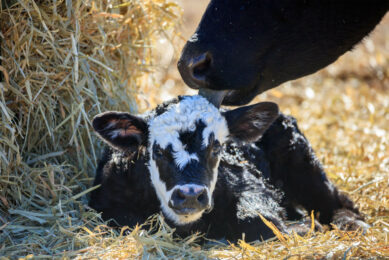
x,y
339,29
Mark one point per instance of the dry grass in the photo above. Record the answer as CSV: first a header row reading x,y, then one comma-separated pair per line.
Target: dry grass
x,y
63,62
47,157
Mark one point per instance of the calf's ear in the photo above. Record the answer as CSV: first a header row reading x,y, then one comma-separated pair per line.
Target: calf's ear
x,y
247,124
121,130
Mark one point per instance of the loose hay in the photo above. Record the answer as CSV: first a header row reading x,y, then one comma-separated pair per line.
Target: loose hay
x,y
63,62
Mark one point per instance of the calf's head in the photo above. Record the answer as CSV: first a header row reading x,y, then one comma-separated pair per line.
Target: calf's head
x,y
184,141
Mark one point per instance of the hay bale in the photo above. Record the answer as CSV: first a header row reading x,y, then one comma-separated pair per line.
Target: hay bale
x,y
62,62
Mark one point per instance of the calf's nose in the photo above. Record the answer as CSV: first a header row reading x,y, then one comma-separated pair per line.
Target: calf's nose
x,y
195,69
186,200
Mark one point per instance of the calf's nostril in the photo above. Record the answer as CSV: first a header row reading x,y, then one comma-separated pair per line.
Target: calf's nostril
x,y
202,198
180,195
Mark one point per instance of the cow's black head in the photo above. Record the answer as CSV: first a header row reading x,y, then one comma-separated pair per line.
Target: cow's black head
x,y
250,46
184,144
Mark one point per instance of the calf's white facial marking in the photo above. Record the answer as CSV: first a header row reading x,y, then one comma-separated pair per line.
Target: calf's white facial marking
x,y
165,129
214,178
181,117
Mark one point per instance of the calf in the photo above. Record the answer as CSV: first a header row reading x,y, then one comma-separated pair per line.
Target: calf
x,y
210,171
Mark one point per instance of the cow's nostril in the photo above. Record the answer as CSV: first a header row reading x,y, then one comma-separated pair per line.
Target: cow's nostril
x,y
199,66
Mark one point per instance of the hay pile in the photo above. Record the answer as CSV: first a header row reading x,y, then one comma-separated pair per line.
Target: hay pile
x,y
62,62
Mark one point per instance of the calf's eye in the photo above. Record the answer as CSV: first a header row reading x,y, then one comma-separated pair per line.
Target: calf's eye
x,y
157,151
216,149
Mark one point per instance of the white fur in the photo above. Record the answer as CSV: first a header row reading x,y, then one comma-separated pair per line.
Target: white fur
x,y
212,184
194,38
182,158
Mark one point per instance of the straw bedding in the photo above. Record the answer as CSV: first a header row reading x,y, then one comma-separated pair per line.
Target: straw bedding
x,y
64,61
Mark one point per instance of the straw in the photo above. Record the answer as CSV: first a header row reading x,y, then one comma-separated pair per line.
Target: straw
x,y
62,62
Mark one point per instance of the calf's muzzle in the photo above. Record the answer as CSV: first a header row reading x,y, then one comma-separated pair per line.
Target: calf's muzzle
x,y
189,199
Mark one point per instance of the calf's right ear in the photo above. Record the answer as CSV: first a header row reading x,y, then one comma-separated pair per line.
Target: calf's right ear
x,y
247,124
121,130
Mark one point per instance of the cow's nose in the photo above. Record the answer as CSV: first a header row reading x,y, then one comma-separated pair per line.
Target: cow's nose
x,y
189,200
194,70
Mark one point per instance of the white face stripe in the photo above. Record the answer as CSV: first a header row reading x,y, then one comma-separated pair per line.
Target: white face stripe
x,y
163,194
182,158
212,185
183,116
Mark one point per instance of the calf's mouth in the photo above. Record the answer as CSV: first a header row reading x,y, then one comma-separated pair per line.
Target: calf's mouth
x,y
184,211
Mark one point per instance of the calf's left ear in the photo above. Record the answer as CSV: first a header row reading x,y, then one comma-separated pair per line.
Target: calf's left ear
x,y
247,124
121,130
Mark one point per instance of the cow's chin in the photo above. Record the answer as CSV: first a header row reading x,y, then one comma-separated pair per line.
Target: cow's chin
x,y
240,97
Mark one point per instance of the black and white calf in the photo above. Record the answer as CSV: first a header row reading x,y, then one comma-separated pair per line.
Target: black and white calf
x,y
211,171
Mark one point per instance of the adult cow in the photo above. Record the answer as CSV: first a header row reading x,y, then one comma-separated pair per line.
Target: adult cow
x,y
248,47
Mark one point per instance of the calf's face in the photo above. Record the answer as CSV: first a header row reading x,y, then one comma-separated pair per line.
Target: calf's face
x,y
184,144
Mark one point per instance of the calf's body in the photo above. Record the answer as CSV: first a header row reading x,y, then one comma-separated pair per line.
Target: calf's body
x,y
272,176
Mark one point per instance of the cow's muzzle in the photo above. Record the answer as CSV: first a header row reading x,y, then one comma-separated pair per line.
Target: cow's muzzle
x,y
194,69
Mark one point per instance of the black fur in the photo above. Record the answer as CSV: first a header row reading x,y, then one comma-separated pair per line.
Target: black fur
x,y
249,47
126,194
272,177
250,122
